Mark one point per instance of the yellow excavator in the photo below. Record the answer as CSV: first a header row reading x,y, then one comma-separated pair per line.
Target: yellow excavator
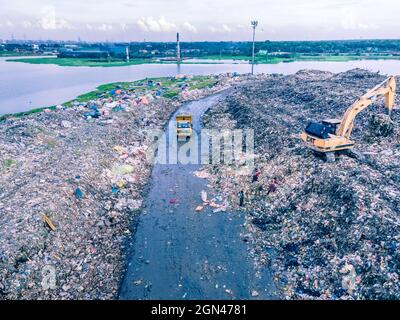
x,y
333,135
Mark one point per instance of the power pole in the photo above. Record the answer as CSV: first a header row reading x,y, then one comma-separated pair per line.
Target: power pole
x,y
127,54
254,25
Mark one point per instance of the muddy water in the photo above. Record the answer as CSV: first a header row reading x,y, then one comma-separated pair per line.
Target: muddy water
x,y
178,253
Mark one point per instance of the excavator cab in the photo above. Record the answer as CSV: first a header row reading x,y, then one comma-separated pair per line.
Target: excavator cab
x,y
324,129
333,124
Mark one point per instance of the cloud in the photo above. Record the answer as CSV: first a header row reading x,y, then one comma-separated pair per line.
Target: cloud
x,y
350,21
100,27
222,29
26,24
189,27
123,26
49,20
156,25
105,27
225,28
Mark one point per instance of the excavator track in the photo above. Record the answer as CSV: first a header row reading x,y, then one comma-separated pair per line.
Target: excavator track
x,y
330,157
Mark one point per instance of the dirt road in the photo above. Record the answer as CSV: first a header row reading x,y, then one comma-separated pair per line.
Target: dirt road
x,y
178,253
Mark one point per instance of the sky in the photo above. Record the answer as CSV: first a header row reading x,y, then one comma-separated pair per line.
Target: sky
x,y
199,20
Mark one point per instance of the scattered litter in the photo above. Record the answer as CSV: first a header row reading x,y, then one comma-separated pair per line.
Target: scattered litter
x,y
199,208
49,223
228,291
202,174
254,293
138,282
66,124
123,170
121,184
203,195
78,193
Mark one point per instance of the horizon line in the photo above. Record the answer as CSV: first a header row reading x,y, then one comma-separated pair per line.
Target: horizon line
x,y
197,41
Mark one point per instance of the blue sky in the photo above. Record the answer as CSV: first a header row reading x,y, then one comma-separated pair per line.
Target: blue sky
x,y
158,20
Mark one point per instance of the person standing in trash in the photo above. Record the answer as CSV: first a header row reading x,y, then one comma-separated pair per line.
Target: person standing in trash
x,y
256,175
273,186
241,198
258,188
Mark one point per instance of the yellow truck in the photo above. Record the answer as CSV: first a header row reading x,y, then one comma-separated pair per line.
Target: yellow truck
x,y
184,127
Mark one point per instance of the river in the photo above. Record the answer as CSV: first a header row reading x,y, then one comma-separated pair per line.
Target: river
x,y
27,86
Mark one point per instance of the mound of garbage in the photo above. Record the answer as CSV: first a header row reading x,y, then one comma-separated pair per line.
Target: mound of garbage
x,y
71,187
327,230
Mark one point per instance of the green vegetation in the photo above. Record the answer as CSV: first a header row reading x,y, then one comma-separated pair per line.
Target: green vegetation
x,y
202,83
77,62
226,57
8,163
260,59
171,93
15,54
273,59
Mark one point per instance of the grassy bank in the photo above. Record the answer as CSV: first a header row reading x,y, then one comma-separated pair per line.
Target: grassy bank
x,y
265,59
16,54
76,62
260,59
170,88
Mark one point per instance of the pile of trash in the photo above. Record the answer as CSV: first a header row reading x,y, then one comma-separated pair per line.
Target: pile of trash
x,y
381,125
71,187
327,230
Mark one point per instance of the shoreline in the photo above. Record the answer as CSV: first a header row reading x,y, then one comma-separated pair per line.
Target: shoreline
x,y
78,62
104,89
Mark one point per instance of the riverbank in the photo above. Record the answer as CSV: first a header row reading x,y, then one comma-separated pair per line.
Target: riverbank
x,y
213,59
30,86
76,62
273,59
160,87
72,184
16,54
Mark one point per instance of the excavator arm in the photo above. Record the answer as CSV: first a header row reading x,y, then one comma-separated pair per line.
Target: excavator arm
x,y
387,88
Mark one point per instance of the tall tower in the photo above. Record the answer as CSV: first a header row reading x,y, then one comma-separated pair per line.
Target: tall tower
x,y
178,49
127,54
254,25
